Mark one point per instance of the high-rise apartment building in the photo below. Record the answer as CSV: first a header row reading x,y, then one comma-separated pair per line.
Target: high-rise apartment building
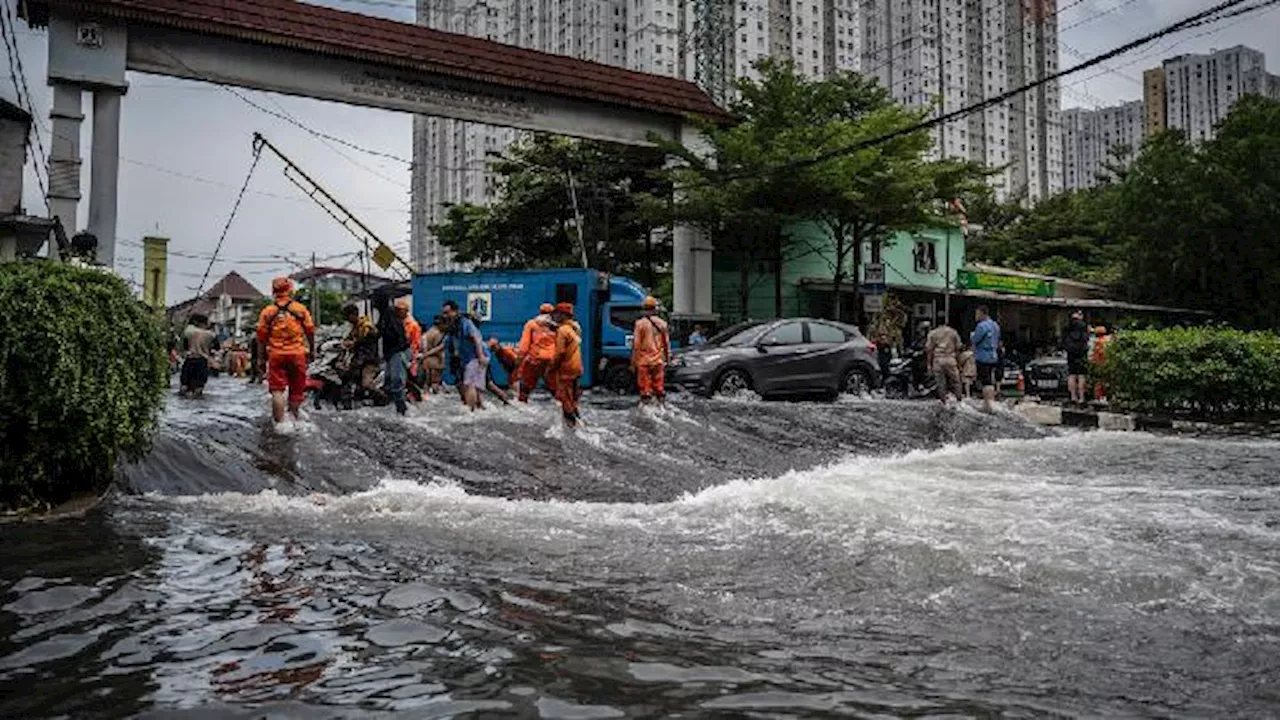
x,y
955,53
1197,91
710,42
1091,140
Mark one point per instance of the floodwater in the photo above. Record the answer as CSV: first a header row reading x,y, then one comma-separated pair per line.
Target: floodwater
x,y
717,559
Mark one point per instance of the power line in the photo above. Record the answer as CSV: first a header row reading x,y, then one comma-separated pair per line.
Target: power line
x,y
261,193
1200,18
257,155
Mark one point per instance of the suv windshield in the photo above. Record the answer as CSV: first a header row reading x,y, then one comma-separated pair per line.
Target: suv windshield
x,y
741,334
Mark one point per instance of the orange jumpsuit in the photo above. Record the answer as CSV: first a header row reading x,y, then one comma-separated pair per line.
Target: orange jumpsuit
x,y
413,332
537,351
283,329
568,368
650,350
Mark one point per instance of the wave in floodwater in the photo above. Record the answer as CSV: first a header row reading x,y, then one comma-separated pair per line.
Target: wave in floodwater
x,y
623,453
721,560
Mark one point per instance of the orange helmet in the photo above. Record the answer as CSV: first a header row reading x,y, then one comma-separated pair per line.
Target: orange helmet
x,y
565,308
281,286
547,308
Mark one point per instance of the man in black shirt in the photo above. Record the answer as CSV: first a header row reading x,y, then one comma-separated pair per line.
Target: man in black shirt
x,y
1076,342
395,348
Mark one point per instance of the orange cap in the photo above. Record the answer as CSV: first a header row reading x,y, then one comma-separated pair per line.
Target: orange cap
x,y
547,308
650,303
565,308
281,286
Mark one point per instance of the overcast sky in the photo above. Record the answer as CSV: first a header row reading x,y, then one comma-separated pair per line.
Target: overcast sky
x,y
185,146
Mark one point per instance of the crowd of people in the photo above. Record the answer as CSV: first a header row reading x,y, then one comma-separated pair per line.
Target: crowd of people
x,y
395,361
957,366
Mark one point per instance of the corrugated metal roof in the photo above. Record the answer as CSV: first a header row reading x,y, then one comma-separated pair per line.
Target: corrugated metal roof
x,y
287,23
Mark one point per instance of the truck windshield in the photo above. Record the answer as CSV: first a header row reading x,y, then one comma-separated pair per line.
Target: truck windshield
x,y
625,316
741,334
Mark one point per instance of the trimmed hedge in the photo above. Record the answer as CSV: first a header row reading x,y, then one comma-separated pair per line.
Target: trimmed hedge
x,y
1209,372
84,379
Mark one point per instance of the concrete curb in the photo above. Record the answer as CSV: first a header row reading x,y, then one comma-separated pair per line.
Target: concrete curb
x,y
1055,415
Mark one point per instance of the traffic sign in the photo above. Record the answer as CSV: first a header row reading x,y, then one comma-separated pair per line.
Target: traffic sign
x,y
873,303
874,274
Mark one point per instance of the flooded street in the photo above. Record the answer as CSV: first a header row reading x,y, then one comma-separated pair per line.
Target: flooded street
x,y
716,559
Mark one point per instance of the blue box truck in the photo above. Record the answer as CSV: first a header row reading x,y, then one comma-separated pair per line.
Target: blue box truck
x,y
607,308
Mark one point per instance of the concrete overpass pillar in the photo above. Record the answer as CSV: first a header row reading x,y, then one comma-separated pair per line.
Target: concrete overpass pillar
x,y
692,252
104,172
86,54
64,158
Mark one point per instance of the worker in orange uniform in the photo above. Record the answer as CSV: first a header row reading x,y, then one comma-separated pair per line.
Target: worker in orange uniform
x,y
537,352
1097,359
286,331
650,353
413,333
567,364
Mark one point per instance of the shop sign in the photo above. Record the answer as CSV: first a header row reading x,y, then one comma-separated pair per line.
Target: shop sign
x,y
1008,284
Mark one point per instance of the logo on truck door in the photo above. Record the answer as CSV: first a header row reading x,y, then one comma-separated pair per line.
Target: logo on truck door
x,y
480,305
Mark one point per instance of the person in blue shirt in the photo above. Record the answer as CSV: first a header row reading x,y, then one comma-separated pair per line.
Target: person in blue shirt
x,y
698,336
986,354
466,355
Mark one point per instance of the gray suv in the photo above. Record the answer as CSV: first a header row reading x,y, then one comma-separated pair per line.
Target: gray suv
x,y
796,356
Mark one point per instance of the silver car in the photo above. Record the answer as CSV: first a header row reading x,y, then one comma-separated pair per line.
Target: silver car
x,y
797,356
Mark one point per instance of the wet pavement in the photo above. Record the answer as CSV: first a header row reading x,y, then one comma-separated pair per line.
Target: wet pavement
x,y
716,559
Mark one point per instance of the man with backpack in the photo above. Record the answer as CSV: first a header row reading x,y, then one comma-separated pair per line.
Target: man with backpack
x,y
286,331
650,353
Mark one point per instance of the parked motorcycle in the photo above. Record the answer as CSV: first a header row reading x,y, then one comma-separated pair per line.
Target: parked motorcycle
x,y
909,377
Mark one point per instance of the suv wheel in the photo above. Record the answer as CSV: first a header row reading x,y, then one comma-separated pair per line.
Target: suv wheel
x,y
856,382
733,382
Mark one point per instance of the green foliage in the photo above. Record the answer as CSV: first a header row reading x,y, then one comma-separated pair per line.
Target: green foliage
x,y
1194,225
1066,235
1203,222
1211,372
619,194
84,377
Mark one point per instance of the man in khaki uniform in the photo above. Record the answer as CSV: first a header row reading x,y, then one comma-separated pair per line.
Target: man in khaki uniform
x,y
942,349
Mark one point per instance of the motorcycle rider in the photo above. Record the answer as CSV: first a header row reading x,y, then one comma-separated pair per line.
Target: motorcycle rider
x,y
361,371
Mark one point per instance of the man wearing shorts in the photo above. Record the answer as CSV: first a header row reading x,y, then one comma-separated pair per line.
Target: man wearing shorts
x,y
986,352
467,354
1076,342
286,331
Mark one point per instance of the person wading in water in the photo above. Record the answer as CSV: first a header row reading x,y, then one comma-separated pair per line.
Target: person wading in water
x,y
285,330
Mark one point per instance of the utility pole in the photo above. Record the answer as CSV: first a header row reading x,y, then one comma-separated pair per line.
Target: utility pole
x,y
577,219
315,301
946,303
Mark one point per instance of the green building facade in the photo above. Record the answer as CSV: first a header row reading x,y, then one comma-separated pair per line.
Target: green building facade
x,y
915,266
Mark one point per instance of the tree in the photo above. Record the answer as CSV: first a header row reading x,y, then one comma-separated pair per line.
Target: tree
x,y
859,196
618,191
1203,222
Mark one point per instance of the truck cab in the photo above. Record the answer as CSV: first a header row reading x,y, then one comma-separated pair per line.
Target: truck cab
x,y
503,300
618,321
